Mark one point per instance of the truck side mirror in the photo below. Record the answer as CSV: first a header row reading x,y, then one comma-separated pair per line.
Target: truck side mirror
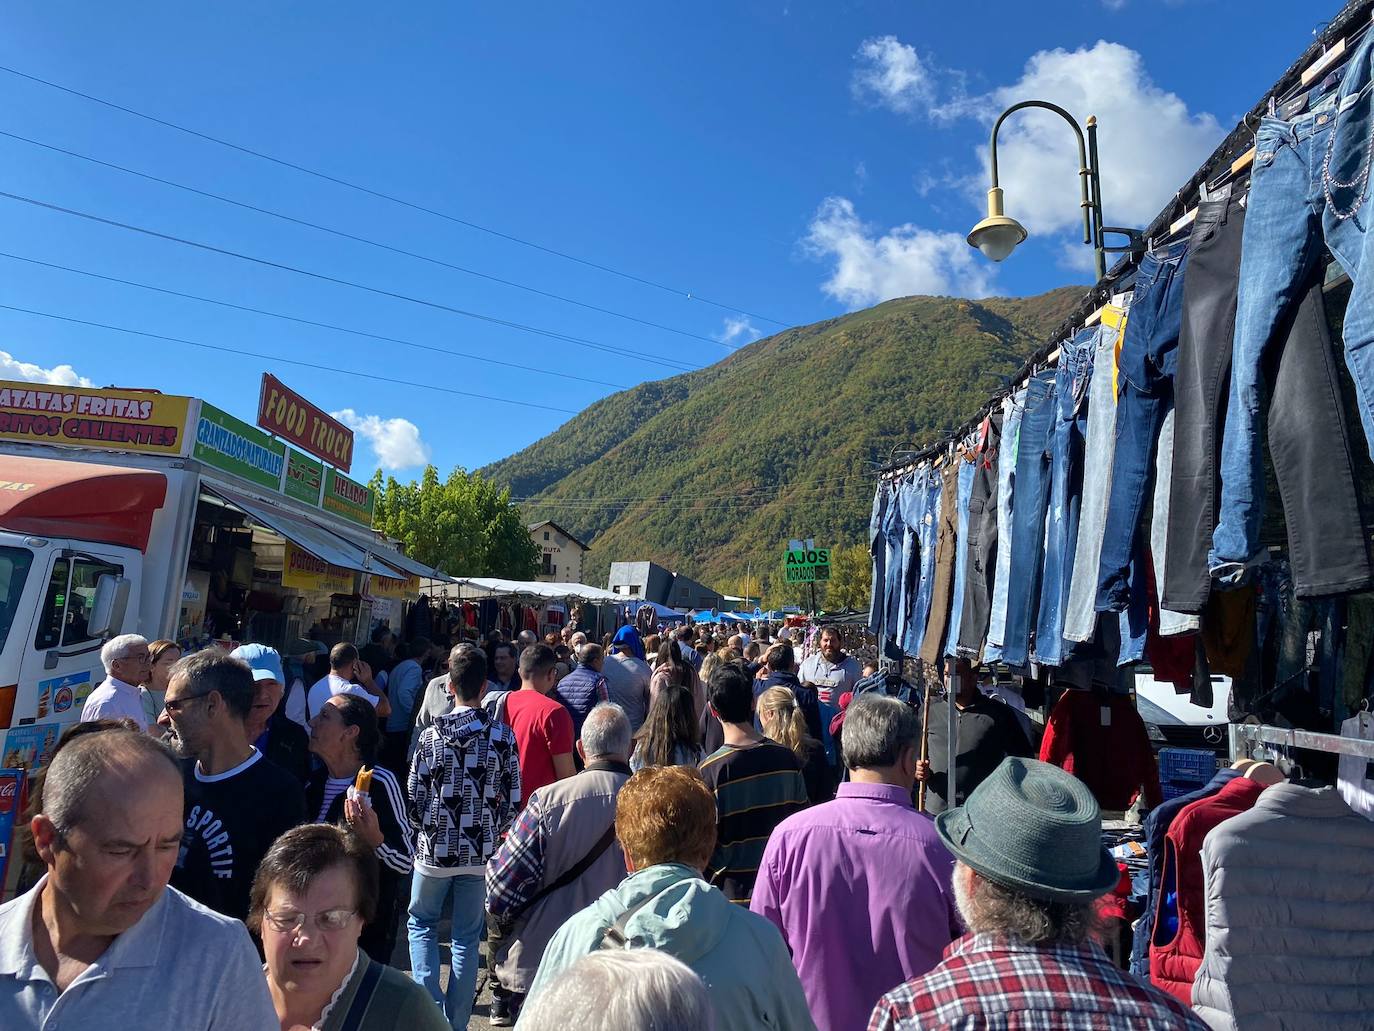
x,y
108,605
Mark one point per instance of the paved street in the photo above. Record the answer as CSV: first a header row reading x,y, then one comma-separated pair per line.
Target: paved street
x,y
400,959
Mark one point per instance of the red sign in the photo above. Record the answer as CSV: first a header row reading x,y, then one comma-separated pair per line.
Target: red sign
x,y
285,413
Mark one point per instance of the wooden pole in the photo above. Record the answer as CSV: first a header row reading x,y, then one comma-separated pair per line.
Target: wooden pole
x,y
925,742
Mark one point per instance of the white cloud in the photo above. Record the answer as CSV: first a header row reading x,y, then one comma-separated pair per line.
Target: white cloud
x,y
891,74
1114,5
1148,140
872,266
396,442
59,375
740,328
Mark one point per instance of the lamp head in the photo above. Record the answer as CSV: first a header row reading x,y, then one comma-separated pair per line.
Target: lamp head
x,y
997,235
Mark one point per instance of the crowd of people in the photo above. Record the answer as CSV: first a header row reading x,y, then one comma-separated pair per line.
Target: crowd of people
x,y
686,830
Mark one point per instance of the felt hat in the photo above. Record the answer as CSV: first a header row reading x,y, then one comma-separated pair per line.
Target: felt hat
x,y
1033,828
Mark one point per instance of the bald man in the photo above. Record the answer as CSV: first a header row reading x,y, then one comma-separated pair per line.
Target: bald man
x,y
102,936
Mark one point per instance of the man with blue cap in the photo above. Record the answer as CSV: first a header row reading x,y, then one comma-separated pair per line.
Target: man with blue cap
x,y
277,736
1029,869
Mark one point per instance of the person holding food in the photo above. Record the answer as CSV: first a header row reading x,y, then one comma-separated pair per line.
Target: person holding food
x,y
349,790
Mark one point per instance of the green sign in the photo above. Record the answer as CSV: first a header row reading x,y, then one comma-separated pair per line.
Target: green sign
x,y
232,445
807,566
348,498
304,477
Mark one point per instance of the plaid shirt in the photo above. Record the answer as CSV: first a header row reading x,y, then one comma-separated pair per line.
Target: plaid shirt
x,y
985,982
516,872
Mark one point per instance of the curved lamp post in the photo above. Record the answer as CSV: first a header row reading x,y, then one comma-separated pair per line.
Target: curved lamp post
x,y
997,235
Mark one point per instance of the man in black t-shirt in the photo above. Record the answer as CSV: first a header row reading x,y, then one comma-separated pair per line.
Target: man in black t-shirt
x,y
988,733
237,802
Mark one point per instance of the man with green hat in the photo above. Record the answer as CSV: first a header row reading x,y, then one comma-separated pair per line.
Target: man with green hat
x,y
1030,868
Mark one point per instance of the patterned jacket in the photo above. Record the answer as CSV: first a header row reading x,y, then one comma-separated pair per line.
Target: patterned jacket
x,y
464,788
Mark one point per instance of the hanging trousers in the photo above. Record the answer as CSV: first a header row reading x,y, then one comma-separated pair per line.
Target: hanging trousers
x,y
932,645
982,540
1308,440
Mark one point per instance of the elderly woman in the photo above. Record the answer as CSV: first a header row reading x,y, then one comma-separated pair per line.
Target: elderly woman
x,y
665,822
314,891
163,656
345,735
611,991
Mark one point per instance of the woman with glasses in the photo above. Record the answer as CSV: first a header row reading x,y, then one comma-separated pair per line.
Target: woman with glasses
x,y
345,735
163,656
314,891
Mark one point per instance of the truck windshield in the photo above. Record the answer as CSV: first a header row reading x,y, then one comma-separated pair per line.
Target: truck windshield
x,y
14,570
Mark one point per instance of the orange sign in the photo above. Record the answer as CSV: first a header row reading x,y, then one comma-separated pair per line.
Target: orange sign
x,y
284,412
118,420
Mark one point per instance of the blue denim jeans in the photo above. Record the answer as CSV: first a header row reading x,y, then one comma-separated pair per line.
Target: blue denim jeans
x,y
911,507
1028,517
1012,410
927,527
1066,487
877,555
427,897
1099,448
1145,380
894,536
1296,210
956,607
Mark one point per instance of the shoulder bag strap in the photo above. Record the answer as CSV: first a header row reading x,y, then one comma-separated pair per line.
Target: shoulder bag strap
x,y
353,1019
614,938
573,873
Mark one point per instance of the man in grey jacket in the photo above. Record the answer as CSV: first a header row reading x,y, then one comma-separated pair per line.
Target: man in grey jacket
x,y
560,855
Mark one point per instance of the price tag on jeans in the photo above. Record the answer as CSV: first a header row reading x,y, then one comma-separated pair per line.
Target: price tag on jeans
x,y
1106,711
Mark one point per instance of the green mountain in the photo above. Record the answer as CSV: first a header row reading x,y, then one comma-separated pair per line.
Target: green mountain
x,y
778,440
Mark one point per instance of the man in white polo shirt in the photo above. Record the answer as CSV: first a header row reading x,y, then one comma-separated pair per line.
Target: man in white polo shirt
x,y
119,696
348,674
102,941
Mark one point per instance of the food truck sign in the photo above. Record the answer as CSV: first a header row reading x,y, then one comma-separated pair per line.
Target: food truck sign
x,y
117,420
284,412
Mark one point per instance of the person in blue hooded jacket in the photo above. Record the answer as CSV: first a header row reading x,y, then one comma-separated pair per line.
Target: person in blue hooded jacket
x,y
628,675
666,825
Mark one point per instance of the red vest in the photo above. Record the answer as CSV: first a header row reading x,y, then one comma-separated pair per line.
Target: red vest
x,y
1174,963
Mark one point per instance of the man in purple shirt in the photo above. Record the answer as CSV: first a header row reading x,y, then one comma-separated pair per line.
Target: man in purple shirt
x,y
860,887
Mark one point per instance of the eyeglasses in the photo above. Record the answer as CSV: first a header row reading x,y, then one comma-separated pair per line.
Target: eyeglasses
x,y
327,920
175,705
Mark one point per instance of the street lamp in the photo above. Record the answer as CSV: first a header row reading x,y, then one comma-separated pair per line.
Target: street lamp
x,y
997,235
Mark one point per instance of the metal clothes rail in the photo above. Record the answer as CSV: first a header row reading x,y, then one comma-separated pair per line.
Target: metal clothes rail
x,y
1259,733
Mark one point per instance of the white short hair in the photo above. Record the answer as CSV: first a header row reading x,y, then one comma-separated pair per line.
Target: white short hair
x,y
117,648
606,732
613,990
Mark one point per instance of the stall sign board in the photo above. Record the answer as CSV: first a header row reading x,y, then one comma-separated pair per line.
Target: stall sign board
x,y
30,747
807,565
304,478
348,498
231,444
388,587
305,572
284,412
116,420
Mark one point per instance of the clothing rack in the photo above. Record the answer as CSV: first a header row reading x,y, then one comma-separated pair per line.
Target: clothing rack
x,y
1259,733
1232,157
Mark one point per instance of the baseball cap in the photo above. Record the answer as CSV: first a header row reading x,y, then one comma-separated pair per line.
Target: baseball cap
x,y
264,661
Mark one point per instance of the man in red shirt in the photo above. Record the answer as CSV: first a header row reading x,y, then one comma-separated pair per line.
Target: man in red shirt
x,y
543,727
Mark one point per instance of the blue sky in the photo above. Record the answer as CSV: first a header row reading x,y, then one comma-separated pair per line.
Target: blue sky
x,y
793,160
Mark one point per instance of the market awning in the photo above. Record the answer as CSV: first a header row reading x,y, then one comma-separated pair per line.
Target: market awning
x,y
662,611
319,541
490,587
394,558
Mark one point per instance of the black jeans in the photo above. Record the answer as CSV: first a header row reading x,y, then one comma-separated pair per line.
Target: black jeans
x,y
1308,442
981,563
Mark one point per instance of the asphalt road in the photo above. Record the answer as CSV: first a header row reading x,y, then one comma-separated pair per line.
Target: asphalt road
x,y
400,959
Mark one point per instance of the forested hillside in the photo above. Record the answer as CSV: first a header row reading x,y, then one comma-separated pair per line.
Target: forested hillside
x,y
778,440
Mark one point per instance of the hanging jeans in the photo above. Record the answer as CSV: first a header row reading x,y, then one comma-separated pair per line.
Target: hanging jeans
x,y
1013,409
1289,213
894,533
1080,617
1146,382
956,604
929,529
877,554
910,498
1066,488
1028,518
1171,623
946,548
981,550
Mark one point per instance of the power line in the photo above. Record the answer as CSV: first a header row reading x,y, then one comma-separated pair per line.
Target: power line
x,y
311,322
363,239
372,377
552,334
349,184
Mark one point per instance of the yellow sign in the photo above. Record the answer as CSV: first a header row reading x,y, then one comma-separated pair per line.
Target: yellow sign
x,y
386,587
117,420
307,573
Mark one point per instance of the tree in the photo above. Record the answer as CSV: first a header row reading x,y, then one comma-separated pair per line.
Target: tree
x,y
464,525
851,576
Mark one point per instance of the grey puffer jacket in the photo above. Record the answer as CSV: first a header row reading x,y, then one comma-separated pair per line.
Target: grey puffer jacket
x,y
1290,915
